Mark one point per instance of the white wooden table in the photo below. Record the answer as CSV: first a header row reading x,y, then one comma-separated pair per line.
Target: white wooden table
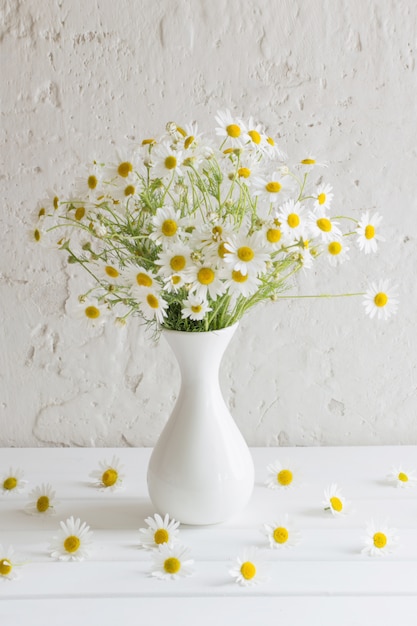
x,y
324,580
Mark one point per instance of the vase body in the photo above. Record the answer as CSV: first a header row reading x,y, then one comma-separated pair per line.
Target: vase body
x,y
201,470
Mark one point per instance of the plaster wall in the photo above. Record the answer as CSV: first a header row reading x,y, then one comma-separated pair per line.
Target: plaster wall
x,y
80,79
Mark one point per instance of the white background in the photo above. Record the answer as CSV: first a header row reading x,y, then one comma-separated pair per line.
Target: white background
x,y
82,78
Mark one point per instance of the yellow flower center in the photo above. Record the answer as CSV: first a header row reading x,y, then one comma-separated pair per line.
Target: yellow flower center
x,y
196,308
172,565
217,232
79,213
152,301
42,504
205,276
111,271
188,142
175,280
248,570
92,312
321,198
161,536
380,540
222,251
238,277
308,161
245,254
42,212
324,224
335,248
270,141
72,543
336,504
177,263
280,534
129,190
148,142
170,162
255,136
5,567
403,477
244,172
273,186
181,131
55,202
92,182
293,220
273,235
143,280
109,477
381,299
124,169
284,477
10,483
169,228
369,231
37,234
233,130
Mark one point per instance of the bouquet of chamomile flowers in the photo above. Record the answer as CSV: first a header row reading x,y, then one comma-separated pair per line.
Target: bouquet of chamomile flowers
x,y
189,231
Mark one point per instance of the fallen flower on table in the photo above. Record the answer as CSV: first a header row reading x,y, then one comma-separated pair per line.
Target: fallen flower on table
x,y
42,501
380,539
280,476
334,501
73,541
249,568
171,562
12,481
282,533
401,477
108,477
160,531
6,564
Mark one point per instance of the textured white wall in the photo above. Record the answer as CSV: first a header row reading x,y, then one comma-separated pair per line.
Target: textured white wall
x,y
79,78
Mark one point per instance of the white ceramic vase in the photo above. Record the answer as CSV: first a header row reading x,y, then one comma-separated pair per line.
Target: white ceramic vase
x,y
201,470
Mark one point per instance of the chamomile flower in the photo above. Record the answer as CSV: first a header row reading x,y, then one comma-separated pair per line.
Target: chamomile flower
x,y
166,160
124,166
91,311
229,127
280,475
109,476
334,501
171,562
140,278
368,236
90,184
175,260
124,189
7,566
166,225
323,197
379,539
272,234
321,226
380,300
12,481
152,305
73,541
249,568
336,252
109,273
293,220
401,477
159,531
174,283
41,501
195,308
271,188
205,280
238,284
281,533
246,253
310,159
